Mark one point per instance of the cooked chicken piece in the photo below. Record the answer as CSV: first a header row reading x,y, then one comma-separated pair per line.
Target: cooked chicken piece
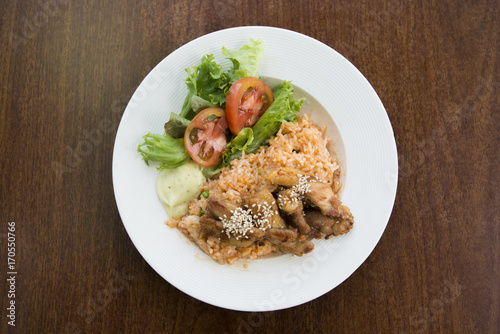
x,y
316,219
314,234
297,219
318,193
331,226
342,227
346,222
345,212
264,207
220,208
321,195
297,248
287,240
289,203
212,227
285,176
280,235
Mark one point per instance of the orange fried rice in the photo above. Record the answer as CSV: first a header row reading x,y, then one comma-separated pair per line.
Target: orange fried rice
x,y
300,145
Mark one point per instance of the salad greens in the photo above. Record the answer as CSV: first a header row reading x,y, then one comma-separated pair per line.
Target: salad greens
x,y
206,81
176,127
198,104
169,152
208,86
245,60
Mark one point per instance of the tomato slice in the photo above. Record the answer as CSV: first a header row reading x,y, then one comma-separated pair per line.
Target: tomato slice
x,y
247,100
205,138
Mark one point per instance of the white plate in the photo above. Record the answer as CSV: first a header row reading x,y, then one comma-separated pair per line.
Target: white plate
x,y
364,139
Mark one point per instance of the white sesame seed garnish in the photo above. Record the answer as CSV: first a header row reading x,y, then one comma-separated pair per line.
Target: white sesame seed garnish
x,y
302,186
239,224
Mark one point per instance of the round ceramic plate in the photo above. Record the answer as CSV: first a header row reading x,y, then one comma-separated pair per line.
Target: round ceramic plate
x,y
339,97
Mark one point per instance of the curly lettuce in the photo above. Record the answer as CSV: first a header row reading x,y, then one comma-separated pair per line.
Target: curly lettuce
x,y
246,60
207,81
169,152
209,84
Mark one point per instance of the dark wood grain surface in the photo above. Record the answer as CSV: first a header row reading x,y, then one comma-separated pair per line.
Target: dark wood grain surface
x,y
67,70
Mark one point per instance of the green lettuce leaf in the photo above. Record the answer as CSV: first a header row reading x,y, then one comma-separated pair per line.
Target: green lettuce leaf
x,y
176,126
283,109
206,81
198,104
169,152
211,171
241,141
246,60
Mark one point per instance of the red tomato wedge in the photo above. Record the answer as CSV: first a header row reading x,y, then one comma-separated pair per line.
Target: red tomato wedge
x,y
247,100
205,138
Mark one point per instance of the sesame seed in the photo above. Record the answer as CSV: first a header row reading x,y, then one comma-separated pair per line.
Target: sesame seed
x,y
302,186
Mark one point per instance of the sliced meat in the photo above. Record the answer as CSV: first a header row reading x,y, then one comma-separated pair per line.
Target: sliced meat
x,y
346,222
290,204
265,210
321,195
342,227
220,208
297,248
297,219
253,235
318,193
288,201
285,176
314,234
316,219
212,227
280,235
345,213
328,225
288,242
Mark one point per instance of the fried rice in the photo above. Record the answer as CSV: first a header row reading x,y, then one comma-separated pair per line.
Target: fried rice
x,y
300,145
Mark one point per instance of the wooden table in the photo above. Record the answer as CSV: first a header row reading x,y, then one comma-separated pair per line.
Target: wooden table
x,y
67,71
